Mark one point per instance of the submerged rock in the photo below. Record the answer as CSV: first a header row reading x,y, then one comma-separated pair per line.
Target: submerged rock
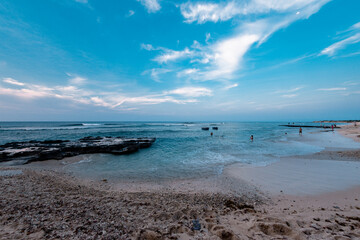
x,y
26,152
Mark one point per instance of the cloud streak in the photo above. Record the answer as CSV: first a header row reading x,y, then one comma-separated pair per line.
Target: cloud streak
x,y
191,92
167,55
352,39
332,89
291,90
214,12
231,86
111,100
13,81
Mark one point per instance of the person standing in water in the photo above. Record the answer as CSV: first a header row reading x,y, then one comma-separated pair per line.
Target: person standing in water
x,y
252,138
300,131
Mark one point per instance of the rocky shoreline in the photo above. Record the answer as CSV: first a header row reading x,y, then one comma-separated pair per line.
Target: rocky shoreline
x,y
26,152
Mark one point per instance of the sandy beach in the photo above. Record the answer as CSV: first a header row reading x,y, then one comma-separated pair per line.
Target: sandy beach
x,y
302,197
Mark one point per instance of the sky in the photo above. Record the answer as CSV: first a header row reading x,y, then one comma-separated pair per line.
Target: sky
x,y
179,60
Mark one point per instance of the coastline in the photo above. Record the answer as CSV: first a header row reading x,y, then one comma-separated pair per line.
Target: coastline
x,y
227,207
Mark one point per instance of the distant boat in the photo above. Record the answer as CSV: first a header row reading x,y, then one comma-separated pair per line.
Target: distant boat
x,y
205,128
215,128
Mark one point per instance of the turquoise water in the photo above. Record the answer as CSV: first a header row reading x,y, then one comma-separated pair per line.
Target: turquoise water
x,y
182,150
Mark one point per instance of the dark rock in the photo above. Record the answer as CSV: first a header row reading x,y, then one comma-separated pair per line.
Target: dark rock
x,y
315,226
31,151
237,205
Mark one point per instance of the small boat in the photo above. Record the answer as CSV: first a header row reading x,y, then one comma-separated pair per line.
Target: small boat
x,y
215,128
205,128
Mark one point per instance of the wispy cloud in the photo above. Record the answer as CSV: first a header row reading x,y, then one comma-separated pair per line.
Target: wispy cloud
x,y
208,37
191,92
231,86
289,95
354,38
13,81
351,83
81,1
168,55
151,5
187,72
107,99
332,89
130,13
155,73
291,90
172,55
147,47
203,12
75,79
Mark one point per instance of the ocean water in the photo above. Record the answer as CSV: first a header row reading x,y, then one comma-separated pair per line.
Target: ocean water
x,y
182,149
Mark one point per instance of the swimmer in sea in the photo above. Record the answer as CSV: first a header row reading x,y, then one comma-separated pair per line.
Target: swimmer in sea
x,y
252,138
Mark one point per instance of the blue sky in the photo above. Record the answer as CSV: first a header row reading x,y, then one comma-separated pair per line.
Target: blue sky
x,y
179,60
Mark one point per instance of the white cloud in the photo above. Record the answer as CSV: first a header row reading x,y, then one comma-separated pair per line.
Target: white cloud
x,y
77,80
151,5
24,93
231,86
291,90
289,95
225,57
108,99
228,54
355,26
332,89
187,72
149,100
100,102
214,12
130,13
208,36
13,81
147,47
82,1
190,70
191,91
354,37
156,72
168,54
332,49
203,12
172,55
350,83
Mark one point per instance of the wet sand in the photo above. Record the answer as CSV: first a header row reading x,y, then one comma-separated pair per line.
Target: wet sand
x,y
43,203
351,131
297,176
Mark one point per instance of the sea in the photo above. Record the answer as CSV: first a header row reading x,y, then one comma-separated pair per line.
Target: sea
x,y
182,150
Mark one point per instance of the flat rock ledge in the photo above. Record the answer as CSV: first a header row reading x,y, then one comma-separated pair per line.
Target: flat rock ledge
x,y
26,152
